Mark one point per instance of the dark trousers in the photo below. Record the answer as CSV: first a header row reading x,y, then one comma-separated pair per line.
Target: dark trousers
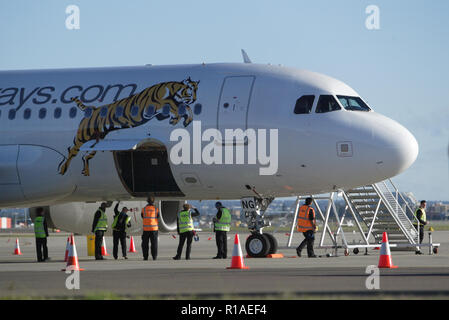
x,y
146,237
98,242
116,236
182,238
421,232
41,249
221,238
309,240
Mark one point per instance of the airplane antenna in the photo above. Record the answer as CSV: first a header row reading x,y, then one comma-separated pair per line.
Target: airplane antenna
x,y
246,59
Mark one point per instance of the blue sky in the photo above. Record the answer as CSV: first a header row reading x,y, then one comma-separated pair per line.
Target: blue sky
x,y
401,70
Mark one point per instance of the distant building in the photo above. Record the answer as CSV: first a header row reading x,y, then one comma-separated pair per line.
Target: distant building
x,y
438,211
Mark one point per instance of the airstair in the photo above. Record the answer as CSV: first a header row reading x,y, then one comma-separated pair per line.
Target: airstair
x,y
375,209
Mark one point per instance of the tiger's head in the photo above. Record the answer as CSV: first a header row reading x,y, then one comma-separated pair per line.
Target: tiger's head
x,y
188,92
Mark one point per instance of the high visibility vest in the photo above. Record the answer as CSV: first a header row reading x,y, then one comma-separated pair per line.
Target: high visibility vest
x,y
185,221
304,224
114,223
150,222
423,217
128,219
39,230
224,224
102,223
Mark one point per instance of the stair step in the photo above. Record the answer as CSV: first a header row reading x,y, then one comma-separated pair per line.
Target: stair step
x,y
357,197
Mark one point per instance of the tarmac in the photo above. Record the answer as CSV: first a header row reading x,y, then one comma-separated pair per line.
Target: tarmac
x,y
202,277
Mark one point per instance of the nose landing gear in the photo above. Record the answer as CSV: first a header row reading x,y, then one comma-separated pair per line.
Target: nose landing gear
x,y
258,244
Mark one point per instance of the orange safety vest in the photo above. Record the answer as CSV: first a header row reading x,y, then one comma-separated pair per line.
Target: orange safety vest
x,y
304,224
150,222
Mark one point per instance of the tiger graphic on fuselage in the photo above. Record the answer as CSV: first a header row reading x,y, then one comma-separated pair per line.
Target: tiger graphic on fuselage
x,y
132,112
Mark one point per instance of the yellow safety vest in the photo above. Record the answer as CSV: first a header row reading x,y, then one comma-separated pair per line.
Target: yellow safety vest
x,y
39,230
224,224
102,223
423,217
185,221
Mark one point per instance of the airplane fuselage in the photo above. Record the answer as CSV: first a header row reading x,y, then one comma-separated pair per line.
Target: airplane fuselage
x,y
107,134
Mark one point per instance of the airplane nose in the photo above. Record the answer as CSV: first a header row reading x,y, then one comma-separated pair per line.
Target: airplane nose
x,y
397,148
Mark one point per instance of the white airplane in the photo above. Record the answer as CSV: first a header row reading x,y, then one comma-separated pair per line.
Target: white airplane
x,y
70,138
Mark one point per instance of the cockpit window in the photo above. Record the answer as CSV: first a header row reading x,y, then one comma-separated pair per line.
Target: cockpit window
x,y
353,103
327,103
304,104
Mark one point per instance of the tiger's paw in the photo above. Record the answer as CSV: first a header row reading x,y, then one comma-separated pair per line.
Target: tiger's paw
x,y
187,122
63,170
174,121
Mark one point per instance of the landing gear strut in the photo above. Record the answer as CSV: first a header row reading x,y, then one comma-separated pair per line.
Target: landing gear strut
x,y
258,244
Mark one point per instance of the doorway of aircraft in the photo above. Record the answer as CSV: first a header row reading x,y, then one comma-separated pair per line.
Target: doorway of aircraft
x,y
146,171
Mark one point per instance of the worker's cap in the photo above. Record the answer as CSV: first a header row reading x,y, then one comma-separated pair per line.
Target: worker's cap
x,y
186,206
125,209
103,204
218,204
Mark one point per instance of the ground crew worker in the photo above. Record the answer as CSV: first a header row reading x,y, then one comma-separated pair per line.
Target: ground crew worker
x,y
119,226
41,234
420,215
150,215
99,227
307,225
185,230
222,224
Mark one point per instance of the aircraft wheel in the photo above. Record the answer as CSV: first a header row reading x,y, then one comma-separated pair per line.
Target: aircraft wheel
x,y
273,243
257,245
435,250
356,251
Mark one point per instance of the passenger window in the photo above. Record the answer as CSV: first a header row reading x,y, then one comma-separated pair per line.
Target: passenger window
x,y
57,113
119,112
134,111
197,108
72,113
88,112
27,113
353,103
149,111
327,103
103,112
182,109
166,109
42,113
304,104
12,114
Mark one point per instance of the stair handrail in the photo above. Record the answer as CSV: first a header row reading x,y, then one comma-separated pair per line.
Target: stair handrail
x,y
395,216
412,212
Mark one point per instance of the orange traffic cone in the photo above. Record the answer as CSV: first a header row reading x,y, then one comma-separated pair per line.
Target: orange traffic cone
x,y
104,252
17,251
67,248
385,254
132,247
72,260
237,257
